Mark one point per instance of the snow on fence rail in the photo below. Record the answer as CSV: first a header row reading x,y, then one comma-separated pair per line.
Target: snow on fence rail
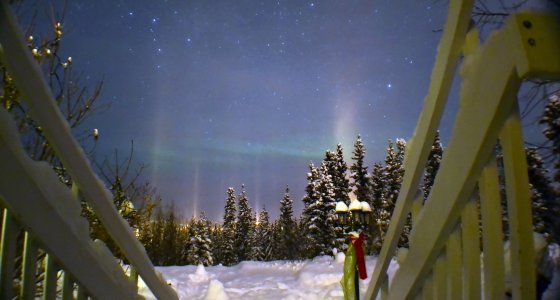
x,y
443,261
34,199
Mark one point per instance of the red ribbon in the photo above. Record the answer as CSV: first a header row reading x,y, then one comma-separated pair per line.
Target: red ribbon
x,y
357,243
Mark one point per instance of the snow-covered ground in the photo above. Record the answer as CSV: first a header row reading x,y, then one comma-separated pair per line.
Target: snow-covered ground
x,y
310,279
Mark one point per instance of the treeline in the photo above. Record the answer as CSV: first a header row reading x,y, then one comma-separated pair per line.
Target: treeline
x,y
244,235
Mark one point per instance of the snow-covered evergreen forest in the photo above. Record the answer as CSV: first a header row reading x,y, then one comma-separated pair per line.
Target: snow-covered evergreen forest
x,y
245,235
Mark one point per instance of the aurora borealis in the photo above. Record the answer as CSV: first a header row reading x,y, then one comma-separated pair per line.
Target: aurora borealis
x,y
220,93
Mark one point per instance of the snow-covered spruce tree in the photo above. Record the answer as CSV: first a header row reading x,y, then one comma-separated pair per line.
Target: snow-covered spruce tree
x,y
322,228
543,196
377,187
272,252
218,239
432,165
401,147
544,199
287,246
387,204
551,120
265,234
393,173
229,253
359,173
333,230
200,250
336,168
244,227
310,200
261,237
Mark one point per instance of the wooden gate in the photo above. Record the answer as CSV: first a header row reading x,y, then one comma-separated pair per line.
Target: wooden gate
x,y
443,261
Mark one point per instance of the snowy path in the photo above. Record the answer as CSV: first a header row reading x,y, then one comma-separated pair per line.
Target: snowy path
x,y
316,279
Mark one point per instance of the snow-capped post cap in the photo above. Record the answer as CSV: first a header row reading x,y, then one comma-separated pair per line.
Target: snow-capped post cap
x,y
366,207
341,207
355,205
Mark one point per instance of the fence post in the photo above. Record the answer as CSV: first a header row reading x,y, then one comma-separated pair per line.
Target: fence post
x,y
29,267
7,255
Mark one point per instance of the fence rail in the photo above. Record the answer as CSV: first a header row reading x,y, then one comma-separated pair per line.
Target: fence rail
x,y
35,200
443,261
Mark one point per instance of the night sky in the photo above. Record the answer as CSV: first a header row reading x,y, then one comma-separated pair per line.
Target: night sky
x,y
223,93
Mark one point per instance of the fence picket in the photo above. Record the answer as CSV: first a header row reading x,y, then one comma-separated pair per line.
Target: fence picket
x,y
492,235
49,285
82,294
440,278
522,253
29,267
428,289
67,286
471,251
7,255
454,265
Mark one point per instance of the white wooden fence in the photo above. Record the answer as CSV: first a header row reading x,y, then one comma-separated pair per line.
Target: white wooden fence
x,y
33,199
443,261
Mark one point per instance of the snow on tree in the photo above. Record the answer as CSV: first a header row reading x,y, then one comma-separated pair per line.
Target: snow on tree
x,y
288,247
328,206
312,194
275,236
337,169
265,234
551,120
322,230
359,173
218,240
432,165
310,199
377,186
319,214
544,199
229,255
262,238
200,250
245,227
393,174
390,182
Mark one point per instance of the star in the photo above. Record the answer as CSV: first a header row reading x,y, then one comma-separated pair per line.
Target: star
x,y
267,68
